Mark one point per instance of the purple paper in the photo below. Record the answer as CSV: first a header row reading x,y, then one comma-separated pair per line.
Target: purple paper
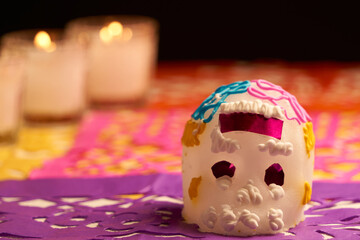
x,y
251,122
150,209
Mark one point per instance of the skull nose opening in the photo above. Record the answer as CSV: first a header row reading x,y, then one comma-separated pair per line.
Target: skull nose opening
x,y
274,174
223,168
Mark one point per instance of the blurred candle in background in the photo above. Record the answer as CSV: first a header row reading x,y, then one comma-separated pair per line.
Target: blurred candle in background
x,y
10,98
54,86
121,57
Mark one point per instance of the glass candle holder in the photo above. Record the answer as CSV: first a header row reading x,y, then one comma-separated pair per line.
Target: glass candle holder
x,y
54,85
10,98
121,57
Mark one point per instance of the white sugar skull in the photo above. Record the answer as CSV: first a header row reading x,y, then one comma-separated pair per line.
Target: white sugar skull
x,y
248,155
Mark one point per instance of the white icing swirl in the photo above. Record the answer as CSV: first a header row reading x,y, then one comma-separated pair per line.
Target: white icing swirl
x,y
275,219
249,193
276,191
224,182
228,218
209,218
222,144
256,106
277,147
249,219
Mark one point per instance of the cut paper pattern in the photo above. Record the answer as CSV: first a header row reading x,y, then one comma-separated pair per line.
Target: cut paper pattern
x,y
147,141
334,210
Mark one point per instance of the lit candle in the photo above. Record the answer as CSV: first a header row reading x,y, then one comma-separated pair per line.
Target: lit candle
x,y
121,57
10,92
54,83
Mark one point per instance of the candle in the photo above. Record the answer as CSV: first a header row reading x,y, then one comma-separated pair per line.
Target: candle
x,y
10,92
121,56
54,82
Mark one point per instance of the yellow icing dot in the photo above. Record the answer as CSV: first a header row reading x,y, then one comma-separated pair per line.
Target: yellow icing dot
x,y
193,188
307,193
309,137
191,132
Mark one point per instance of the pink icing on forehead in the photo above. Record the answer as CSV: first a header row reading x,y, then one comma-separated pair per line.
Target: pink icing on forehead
x,y
265,86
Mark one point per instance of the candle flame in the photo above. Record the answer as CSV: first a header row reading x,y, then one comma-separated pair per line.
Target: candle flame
x,y
43,41
115,30
105,35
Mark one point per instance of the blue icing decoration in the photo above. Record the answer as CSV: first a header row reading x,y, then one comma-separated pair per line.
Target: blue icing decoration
x,y
222,92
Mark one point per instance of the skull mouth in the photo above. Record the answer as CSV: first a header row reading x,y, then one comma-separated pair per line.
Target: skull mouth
x,y
223,168
250,122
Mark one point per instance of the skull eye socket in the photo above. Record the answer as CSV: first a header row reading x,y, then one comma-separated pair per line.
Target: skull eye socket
x,y
223,168
274,174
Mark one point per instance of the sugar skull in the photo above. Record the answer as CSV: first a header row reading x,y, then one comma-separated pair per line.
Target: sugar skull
x,y
248,155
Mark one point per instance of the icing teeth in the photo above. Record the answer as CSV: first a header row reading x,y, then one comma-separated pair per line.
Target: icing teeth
x,y
257,107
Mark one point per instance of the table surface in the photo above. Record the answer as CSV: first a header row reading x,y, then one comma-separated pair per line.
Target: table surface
x,y
145,141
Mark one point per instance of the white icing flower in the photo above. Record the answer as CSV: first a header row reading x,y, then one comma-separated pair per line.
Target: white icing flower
x,y
249,193
275,219
249,219
228,218
277,147
224,182
209,218
276,191
222,144
243,196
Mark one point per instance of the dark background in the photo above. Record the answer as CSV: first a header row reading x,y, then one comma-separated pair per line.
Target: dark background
x,y
197,30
